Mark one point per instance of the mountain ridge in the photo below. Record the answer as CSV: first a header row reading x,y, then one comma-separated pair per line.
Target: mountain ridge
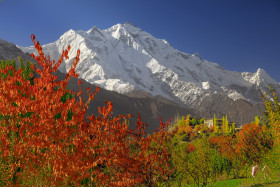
x,y
124,58
130,61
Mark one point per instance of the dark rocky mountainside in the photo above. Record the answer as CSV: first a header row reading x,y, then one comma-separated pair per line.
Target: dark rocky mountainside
x,y
239,111
9,51
149,108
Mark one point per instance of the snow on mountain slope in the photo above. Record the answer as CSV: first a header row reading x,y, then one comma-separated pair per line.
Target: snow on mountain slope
x,y
260,78
124,58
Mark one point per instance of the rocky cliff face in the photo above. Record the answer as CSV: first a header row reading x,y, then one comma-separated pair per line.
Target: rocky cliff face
x,y
9,51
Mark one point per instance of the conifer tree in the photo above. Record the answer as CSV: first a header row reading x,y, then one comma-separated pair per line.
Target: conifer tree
x,y
226,130
233,128
216,128
257,120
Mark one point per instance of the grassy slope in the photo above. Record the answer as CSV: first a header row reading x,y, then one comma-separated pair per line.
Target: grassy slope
x,y
259,181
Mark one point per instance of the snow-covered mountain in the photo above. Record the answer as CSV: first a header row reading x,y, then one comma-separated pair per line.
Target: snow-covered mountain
x,y
124,58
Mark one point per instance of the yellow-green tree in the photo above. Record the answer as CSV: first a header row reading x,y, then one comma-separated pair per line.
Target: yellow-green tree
x,y
272,108
272,121
226,129
257,120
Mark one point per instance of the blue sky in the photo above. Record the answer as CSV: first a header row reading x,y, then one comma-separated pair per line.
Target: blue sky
x,y
240,35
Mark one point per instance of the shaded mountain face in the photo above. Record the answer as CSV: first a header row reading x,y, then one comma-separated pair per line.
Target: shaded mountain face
x,y
150,108
9,51
239,111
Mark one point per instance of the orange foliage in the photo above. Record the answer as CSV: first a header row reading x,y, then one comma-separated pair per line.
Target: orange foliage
x,y
197,128
254,142
39,130
185,129
190,148
212,129
249,145
227,145
188,129
151,154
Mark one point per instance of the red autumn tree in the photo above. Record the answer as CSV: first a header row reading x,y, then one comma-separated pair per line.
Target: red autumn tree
x,y
42,125
151,155
36,126
228,147
254,142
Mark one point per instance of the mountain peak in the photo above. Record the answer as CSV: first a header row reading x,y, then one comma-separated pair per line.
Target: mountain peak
x,y
130,24
126,26
261,72
67,34
124,58
262,76
94,30
197,55
126,30
70,31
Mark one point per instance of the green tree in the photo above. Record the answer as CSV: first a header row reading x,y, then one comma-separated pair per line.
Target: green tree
x,y
219,165
28,71
272,108
216,127
226,126
232,128
257,120
272,120
4,64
